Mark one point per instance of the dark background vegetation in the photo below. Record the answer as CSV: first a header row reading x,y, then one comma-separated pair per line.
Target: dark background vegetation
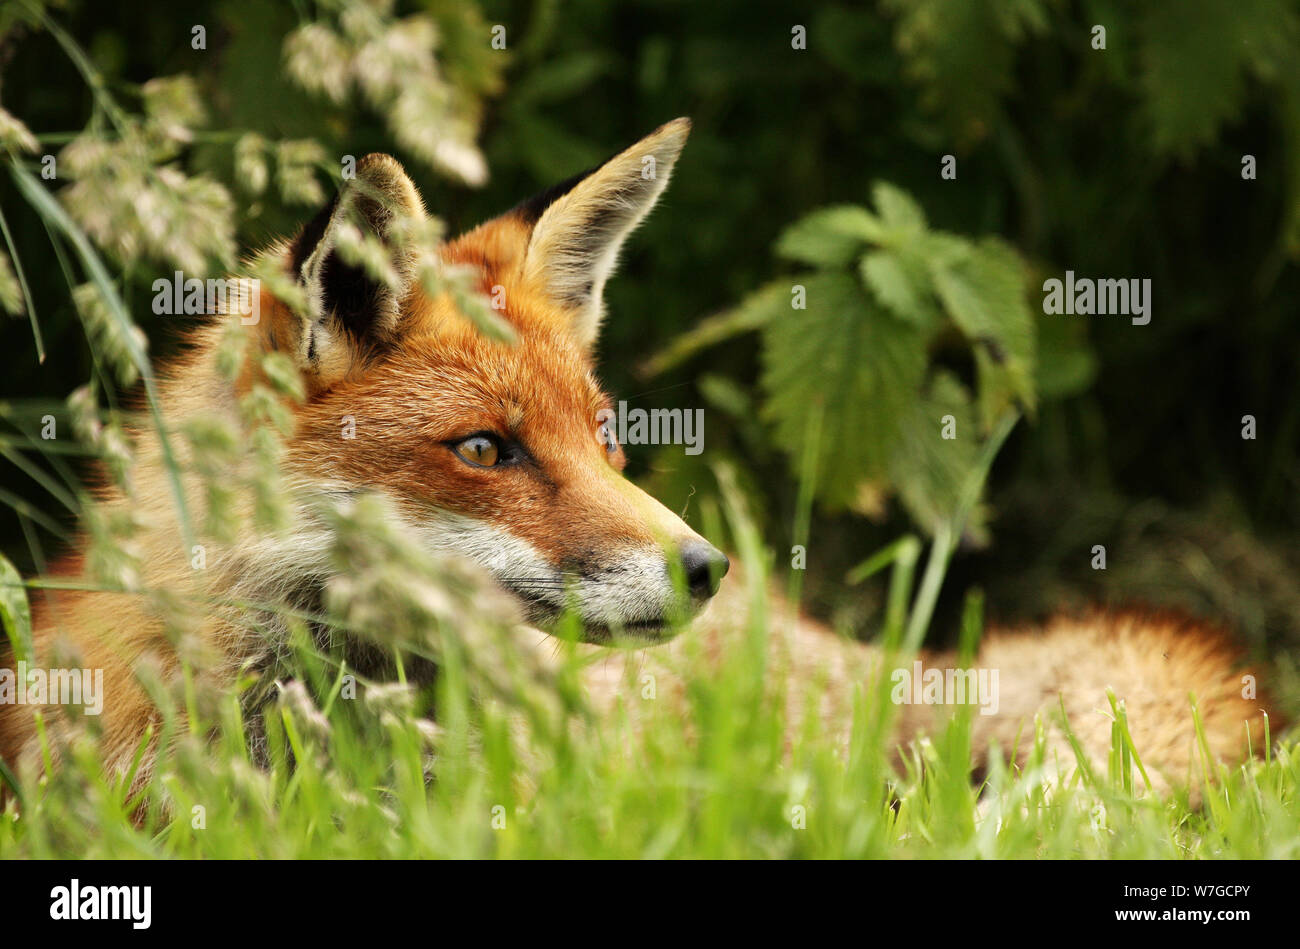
x,y
1117,163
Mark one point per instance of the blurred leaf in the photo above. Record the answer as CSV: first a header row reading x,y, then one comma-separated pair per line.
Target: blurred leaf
x,y
984,291
829,238
1195,55
929,471
961,53
859,353
898,211
901,282
862,367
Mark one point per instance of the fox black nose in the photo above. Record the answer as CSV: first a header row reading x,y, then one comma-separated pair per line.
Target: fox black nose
x,y
705,566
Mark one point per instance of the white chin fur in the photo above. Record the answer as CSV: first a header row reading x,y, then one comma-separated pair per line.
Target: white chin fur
x,y
634,593
634,589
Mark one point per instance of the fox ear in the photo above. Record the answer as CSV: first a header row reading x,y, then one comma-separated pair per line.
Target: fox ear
x,y
354,310
580,226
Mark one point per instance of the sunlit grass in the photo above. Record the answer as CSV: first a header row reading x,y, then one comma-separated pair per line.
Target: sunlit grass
x,y
711,776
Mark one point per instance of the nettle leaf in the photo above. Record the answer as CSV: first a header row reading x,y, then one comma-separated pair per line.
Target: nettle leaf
x,y
1195,58
901,281
831,237
902,217
861,368
983,290
962,54
930,471
850,368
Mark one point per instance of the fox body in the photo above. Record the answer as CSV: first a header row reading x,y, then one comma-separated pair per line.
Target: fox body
x,y
1153,661
499,453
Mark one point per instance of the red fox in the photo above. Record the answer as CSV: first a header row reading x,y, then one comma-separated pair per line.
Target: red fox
x,y
497,452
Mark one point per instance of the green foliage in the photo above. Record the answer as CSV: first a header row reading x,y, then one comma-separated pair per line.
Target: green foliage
x,y
853,341
1197,58
963,52
1189,61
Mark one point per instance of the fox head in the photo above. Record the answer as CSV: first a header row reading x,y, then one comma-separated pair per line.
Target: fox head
x,y
493,450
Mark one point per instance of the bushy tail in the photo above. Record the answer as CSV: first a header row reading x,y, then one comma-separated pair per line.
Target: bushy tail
x,y
1159,665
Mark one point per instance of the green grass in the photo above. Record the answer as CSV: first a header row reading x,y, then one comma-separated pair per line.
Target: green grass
x,y
529,773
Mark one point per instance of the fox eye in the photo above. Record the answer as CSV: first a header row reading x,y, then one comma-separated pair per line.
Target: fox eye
x,y
478,450
605,435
